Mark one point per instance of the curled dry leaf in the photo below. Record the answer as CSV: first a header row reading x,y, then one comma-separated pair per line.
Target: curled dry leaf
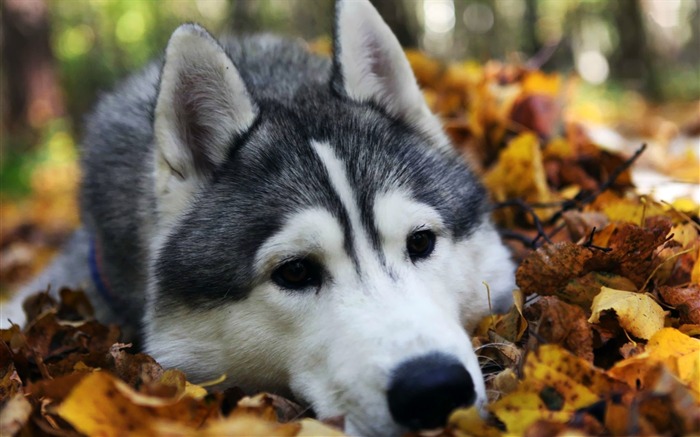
x,y
638,313
686,300
549,269
632,248
563,324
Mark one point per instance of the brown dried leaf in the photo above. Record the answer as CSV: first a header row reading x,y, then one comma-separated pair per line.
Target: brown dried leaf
x,y
582,290
685,299
550,268
581,224
10,383
134,369
560,323
74,306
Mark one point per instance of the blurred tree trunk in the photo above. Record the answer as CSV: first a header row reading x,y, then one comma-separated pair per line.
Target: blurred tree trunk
x,y
531,43
312,18
401,19
32,94
305,18
245,16
633,57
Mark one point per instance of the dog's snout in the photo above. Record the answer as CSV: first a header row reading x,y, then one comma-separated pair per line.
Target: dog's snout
x,y
423,391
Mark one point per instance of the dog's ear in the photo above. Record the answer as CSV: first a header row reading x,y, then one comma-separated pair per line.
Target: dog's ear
x,y
202,106
370,65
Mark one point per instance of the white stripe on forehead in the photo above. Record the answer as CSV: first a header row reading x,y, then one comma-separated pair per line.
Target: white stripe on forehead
x,y
341,184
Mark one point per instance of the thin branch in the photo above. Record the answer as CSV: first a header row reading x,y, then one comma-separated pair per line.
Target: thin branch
x,y
580,201
535,219
589,243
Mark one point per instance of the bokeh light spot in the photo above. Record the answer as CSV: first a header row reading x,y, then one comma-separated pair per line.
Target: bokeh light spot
x,y
131,27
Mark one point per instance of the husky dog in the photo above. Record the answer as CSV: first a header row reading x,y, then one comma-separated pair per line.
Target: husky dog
x,y
299,224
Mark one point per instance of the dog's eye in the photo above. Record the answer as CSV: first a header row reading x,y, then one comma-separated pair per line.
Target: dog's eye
x,y
297,274
420,244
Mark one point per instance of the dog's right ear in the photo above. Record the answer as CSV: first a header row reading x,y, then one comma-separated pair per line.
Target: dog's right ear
x,y
202,106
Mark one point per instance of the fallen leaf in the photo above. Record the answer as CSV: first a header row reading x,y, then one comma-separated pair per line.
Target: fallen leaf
x,y
677,351
555,385
469,422
519,173
311,427
239,426
563,324
102,405
685,299
638,313
582,290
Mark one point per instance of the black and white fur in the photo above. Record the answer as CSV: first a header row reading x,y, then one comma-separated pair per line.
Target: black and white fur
x,y
211,170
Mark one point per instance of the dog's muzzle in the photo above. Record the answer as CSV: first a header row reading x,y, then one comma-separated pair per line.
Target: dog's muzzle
x,y
423,391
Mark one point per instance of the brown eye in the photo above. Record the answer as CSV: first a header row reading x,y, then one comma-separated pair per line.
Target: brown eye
x,y
420,244
297,274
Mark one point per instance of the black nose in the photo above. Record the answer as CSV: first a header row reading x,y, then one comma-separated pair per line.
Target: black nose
x,y
423,391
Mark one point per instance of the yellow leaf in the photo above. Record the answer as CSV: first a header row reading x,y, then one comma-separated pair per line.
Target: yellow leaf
x,y
95,407
537,82
631,210
638,313
687,205
677,351
556,383
469,422
103,405
194,391
685,233
519,173
176,378
426,70
311,427
558,148
245,425
236,426
521,409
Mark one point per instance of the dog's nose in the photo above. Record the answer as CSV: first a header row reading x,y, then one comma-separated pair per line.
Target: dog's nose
x,y
423,391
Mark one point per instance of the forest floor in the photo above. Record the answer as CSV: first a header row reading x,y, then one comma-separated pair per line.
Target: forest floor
x,y
599,199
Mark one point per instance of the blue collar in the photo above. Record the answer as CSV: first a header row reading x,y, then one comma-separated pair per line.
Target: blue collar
x,y
95,263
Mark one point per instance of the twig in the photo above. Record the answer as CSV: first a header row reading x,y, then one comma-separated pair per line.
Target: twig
x,y
579,201
589,243
535,219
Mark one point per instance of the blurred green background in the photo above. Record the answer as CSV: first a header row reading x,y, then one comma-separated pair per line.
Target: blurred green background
x,y
57,55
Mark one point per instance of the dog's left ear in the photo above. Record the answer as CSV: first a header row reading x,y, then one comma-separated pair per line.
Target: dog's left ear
x,y
370,65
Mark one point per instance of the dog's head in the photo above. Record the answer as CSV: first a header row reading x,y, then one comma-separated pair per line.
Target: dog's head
x,y
318,234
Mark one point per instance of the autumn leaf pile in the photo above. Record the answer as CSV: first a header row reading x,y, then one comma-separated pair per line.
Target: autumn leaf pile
x,y
603,339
